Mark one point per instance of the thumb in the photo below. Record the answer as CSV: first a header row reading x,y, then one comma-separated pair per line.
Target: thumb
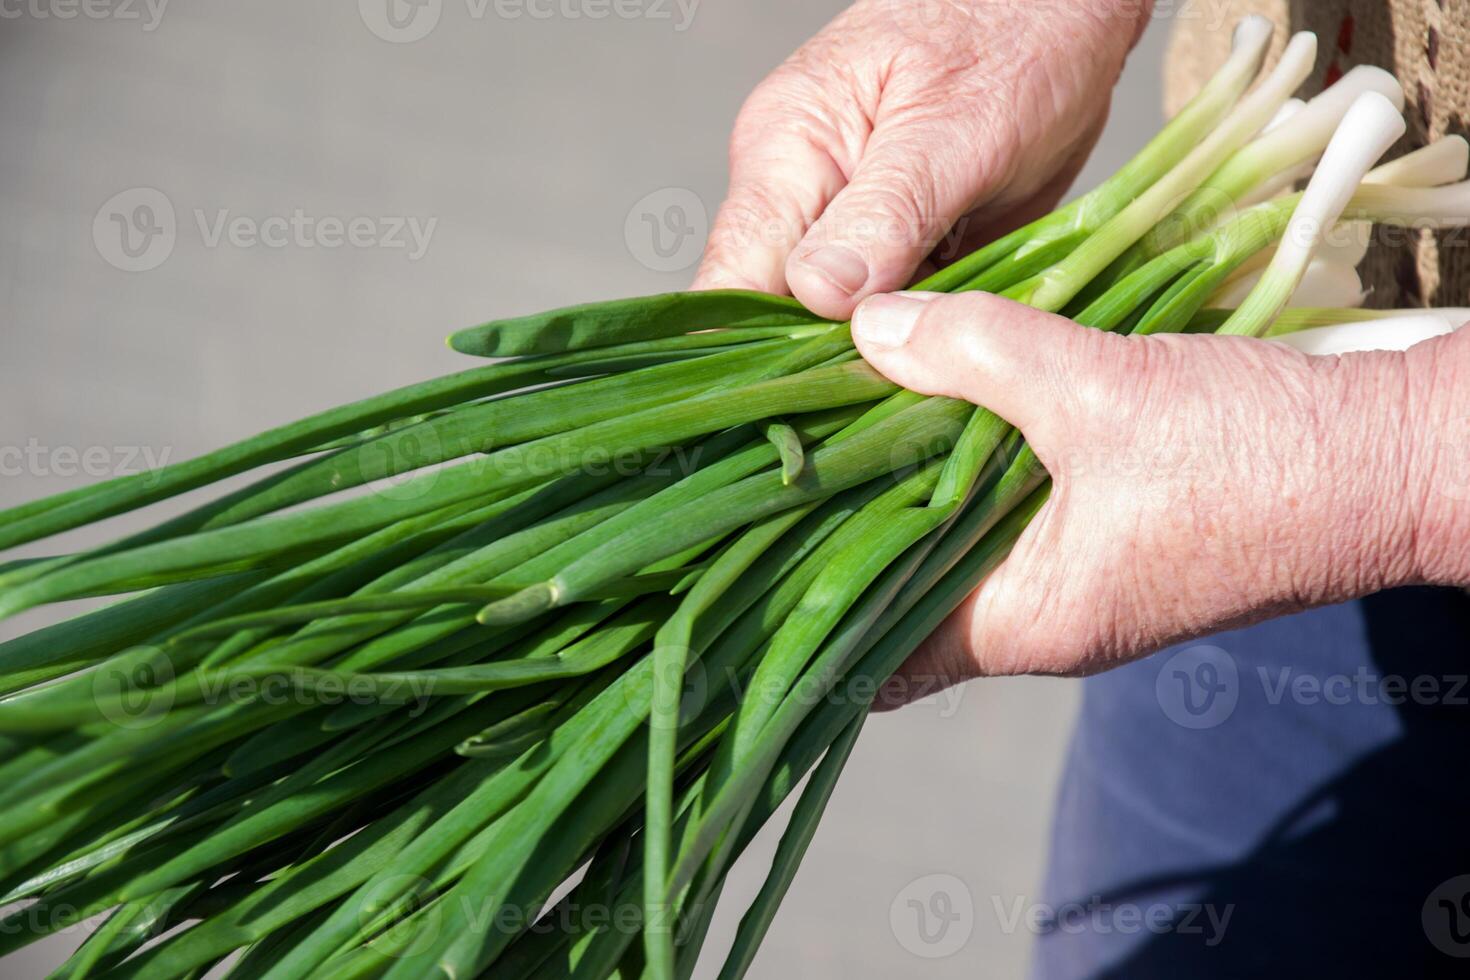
x,y
1040,372
905,195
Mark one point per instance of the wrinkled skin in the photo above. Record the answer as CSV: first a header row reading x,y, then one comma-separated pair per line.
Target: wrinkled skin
x,y
1200,482
908,128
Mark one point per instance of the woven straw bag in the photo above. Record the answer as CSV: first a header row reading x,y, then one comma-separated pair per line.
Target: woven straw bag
x,y
1425,43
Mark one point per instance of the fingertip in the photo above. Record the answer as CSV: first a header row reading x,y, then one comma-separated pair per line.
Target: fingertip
x,y
829,281
882,326
887,320
974,346
832,279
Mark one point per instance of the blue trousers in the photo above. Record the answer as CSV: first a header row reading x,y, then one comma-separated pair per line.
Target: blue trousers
x,y
1287,800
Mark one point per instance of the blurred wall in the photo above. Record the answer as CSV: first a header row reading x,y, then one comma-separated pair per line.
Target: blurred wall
x,y
490,167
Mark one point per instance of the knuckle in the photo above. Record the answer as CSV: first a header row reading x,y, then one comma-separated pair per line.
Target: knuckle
x,y
757,214
789,103
1102,372
751,132
722,247
891,210
976,306
720,269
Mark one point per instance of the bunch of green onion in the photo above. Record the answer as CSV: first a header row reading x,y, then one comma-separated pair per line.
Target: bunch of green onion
x,y
497,674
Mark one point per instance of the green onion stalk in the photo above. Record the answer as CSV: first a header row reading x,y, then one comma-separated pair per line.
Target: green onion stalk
x,y
498,674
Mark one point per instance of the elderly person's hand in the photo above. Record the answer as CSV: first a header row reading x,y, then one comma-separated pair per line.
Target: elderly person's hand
x,y
1200,482
911,127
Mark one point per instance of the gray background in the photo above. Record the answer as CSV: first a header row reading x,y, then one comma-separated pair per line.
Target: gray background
x,y
531,141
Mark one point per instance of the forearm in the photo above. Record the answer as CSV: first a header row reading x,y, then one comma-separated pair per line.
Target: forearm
x,y
1439,437
1389,500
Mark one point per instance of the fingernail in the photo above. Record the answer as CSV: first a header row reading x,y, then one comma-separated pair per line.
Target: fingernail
x,y
889,318
840,265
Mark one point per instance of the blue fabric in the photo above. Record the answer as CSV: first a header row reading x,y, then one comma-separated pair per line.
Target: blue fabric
x,y
1253,805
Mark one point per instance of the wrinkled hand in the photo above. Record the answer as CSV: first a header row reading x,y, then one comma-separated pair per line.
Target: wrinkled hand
x,y
911,127
1199,482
